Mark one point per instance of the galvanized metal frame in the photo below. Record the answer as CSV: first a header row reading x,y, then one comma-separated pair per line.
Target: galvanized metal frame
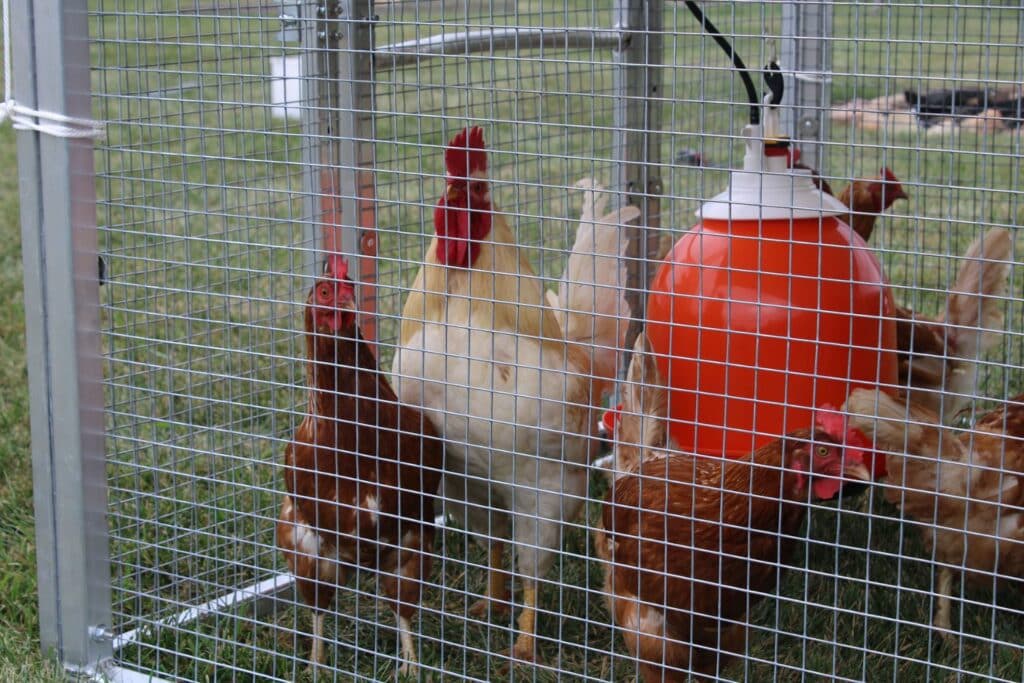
x,y
58,214
307,31
345,38
806,63
637,85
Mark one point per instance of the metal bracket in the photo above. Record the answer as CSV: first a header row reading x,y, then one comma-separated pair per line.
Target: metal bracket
x,y
290,16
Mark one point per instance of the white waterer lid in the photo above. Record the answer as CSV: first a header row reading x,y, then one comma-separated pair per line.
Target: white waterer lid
x,y
767,189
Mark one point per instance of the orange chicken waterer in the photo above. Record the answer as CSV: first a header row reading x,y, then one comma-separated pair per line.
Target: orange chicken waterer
x,y
769,307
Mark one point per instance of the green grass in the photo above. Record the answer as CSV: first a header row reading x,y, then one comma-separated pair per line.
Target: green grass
x,y
201,208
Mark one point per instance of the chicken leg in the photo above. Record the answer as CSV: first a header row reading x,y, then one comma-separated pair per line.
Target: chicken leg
x,y
496,598
944,589
523,649
410,664
316,653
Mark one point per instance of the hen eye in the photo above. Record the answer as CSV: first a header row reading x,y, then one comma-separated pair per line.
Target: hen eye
x,y
323,292
822,451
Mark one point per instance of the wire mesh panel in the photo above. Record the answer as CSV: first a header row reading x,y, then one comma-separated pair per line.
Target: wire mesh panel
x,y
246,142
205,238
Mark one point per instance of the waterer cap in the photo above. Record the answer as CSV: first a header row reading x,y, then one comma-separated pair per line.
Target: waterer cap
x,y
766,188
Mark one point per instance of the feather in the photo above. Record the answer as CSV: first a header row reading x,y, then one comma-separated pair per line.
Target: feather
x,y
875,413
975,303
591,306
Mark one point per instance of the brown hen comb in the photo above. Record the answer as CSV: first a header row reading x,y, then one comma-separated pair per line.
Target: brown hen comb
x,y
337,267
895,189
466,153
834,423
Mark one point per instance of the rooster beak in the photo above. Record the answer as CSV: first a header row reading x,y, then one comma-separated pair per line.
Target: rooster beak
x,y
857,471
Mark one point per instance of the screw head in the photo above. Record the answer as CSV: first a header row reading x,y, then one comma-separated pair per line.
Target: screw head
x,y
809,127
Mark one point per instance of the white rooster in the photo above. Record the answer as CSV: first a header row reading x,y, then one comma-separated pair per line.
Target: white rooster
x,y
511,382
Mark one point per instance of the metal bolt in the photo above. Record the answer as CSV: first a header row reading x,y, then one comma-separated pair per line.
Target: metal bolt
x,y
101,633
321,11
288,20
809,127
321,35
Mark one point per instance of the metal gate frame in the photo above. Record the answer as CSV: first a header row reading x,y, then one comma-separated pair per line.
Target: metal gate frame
x,y
59,238
65,372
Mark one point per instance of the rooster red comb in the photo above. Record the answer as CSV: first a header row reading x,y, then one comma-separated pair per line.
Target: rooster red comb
x,y
337,267
466,153
888,176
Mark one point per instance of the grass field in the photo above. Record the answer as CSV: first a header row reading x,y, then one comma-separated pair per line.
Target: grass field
x,y
201,208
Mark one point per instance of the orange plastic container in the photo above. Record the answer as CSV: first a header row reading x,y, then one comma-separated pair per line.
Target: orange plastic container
x,y
758,320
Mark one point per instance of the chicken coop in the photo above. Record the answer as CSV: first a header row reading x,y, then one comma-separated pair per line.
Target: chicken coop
x,y
188,168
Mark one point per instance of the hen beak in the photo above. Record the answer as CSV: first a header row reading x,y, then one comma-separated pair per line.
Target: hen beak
x,y
349,304
857,471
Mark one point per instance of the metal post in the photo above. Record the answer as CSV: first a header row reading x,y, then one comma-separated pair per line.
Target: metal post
x,y
347,154
806,62
59,250
305,32
637,84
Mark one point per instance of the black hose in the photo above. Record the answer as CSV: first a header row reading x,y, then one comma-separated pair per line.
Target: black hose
x,y
748,83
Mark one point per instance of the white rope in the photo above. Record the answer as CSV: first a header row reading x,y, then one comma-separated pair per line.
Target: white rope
x,y
26,118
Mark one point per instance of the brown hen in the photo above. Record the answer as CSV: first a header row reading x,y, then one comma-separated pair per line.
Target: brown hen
x,y
965,488
361,472
868,198
938,354
693,542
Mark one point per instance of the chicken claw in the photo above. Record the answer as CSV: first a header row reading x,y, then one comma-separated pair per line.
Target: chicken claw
x,y
523,650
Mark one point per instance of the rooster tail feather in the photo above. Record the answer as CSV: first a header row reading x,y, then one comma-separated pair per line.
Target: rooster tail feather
x,y
644,407
974,307
592,308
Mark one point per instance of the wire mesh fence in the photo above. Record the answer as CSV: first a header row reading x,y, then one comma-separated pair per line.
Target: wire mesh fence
x,y
245,142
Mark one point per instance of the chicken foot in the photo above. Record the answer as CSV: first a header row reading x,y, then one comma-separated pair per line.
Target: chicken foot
x,y
523,649
410,663
944,591
496,599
